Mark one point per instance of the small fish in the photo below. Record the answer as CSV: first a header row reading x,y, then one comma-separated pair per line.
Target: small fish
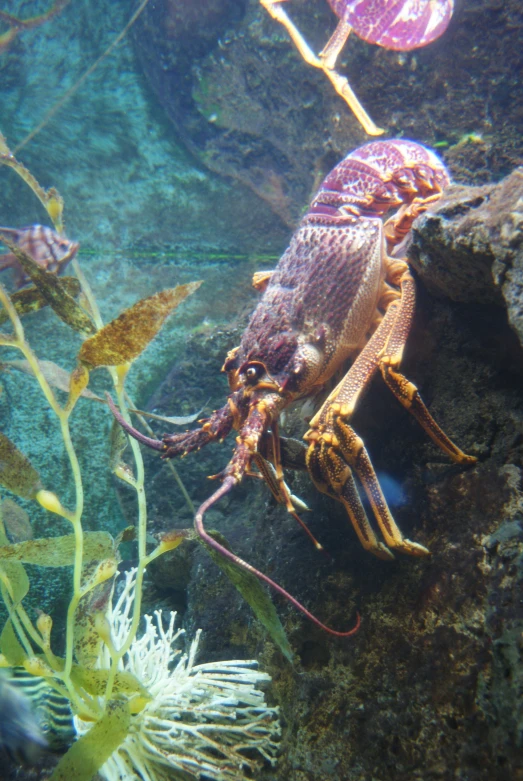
x,y
50,250
392,491
20,734
51,710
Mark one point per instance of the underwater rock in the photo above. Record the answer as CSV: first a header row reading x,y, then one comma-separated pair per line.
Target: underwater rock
x,y
469,247
170,36
429,688
501,691
249,108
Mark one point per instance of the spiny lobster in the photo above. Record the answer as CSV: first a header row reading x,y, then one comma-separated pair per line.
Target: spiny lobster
x,y
341,292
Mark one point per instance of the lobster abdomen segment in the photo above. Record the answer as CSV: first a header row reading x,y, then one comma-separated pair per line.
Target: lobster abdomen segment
x,y
400,25
378,177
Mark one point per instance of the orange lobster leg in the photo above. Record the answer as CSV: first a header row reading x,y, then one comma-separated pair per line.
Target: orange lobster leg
x,y
332,475
404,390
335,449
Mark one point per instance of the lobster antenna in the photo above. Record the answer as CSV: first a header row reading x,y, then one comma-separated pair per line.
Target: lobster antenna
x,y
226,486
155,444
228,483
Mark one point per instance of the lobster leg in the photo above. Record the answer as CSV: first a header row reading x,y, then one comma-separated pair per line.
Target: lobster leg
x,y
404,390
273,476
354,453
283,496
399,225
333,476
326,61
335,449
343,399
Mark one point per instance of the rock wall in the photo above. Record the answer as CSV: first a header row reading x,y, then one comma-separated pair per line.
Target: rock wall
x,y
430,687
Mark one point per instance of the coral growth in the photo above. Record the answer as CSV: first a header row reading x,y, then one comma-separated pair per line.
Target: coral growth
x,y
206,718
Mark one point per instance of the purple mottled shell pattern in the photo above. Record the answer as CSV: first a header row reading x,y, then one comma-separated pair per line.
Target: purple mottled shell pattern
x,y
396,24
325,286
377,177
326,281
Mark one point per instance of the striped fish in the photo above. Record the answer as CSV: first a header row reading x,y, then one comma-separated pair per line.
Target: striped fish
x,y
47,247
20,735
38,718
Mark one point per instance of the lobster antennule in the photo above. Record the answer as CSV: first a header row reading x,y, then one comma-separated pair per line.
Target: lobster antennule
x,y
155,444
229,482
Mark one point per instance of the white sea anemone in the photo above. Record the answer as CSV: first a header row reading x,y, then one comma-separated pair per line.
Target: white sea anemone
x,y
203,720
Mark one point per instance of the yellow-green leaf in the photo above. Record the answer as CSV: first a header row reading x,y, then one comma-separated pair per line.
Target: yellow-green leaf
x,y
14,578
4,540
30,299
54,374
16,473
59,551
16,521
87,640
254,593
13,581
50,199
10,646
52,289
117,444
175,420
78,382
126,535
95,681
123,339
87,755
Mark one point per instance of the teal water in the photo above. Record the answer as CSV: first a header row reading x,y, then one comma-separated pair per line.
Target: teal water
x,y
190,153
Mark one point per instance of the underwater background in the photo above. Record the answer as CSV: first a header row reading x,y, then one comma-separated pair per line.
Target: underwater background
x,y
190,153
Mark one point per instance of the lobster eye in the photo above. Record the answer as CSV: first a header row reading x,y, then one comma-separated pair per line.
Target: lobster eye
x,y
252,373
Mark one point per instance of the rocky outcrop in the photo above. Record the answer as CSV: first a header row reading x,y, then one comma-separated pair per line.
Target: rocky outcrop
x,y
469,248
430,687
245,103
